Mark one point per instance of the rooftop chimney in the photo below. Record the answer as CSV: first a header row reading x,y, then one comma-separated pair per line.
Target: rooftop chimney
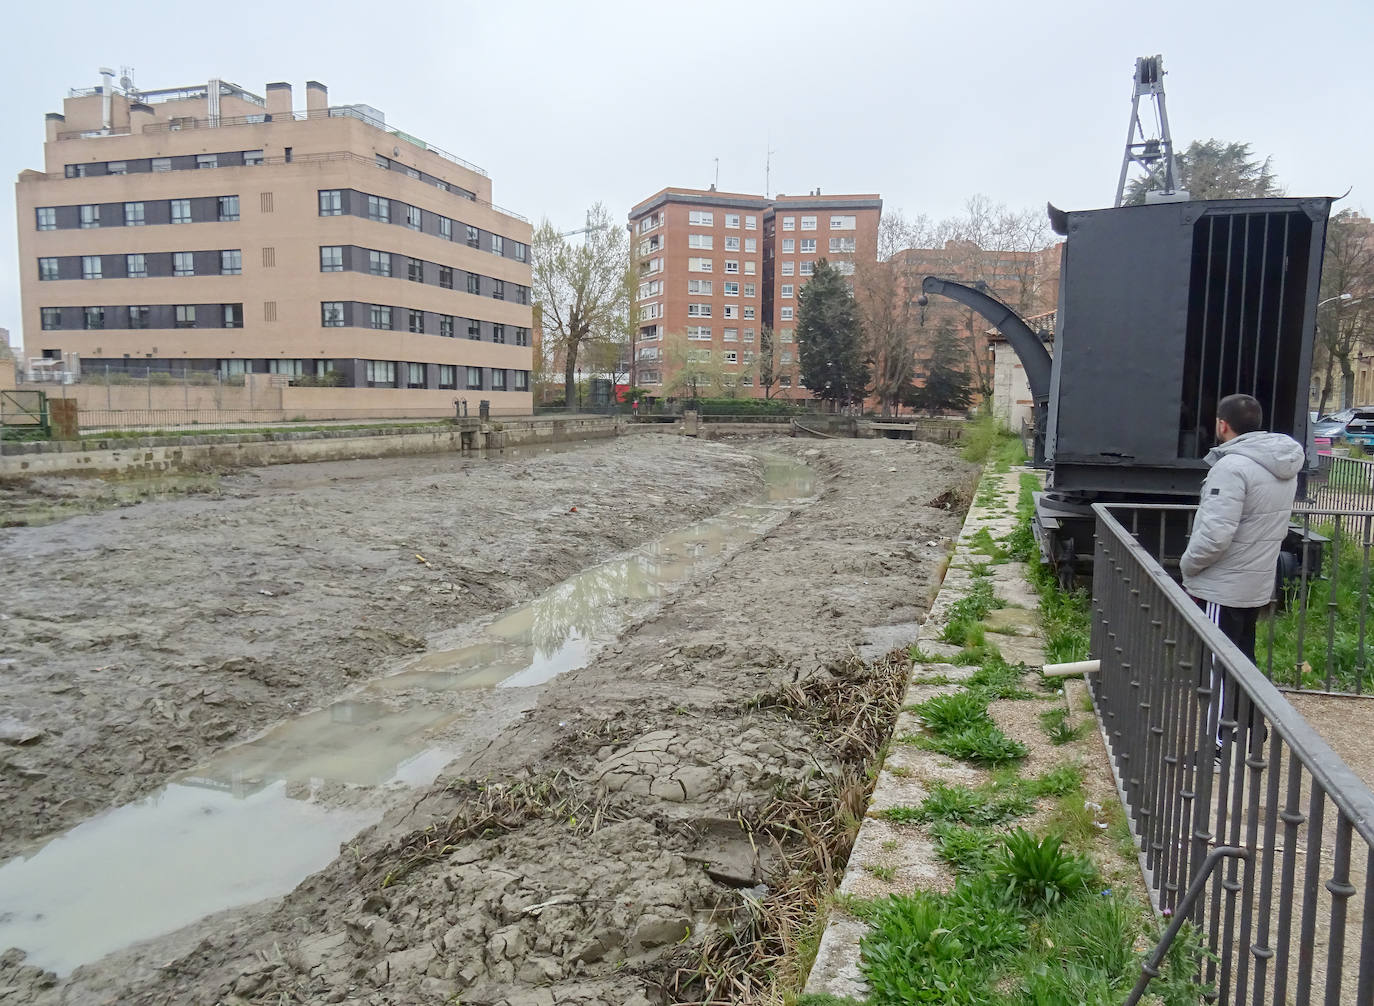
x,y
279,98
52,123
106,95
316,96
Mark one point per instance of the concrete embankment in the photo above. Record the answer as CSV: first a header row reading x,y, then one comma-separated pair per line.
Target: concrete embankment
x,y
139,456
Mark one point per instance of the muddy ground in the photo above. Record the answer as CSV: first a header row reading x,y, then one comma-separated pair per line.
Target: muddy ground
x,y
588,850
135,641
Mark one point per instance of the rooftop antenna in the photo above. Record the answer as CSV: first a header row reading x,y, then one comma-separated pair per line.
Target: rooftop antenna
x,y
126,81
768,169
716,183
1154,153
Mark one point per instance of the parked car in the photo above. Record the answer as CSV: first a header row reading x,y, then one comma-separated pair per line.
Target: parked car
x,y
1360,428
1332,426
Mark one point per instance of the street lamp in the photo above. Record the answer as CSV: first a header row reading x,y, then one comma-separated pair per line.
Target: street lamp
x,y
1339,296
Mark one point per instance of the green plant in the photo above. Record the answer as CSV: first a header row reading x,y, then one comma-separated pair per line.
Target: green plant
x,y
953,712
983,542
1057,781
984,743
881,872
967,849
1057,727
963,632
997,679
986,805
1038,871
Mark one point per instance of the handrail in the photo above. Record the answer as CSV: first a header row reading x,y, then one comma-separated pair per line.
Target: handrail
x,y
1149,969
1345,789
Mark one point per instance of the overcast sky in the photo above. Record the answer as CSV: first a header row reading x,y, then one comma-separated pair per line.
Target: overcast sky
x,y
924,101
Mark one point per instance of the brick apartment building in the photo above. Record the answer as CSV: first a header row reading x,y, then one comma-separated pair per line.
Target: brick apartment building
x,y
209,230
713,268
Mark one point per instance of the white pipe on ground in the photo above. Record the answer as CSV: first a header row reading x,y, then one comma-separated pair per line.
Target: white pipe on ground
x,y
1071,670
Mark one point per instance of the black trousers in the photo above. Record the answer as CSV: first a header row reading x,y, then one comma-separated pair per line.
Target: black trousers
x,y
1237,625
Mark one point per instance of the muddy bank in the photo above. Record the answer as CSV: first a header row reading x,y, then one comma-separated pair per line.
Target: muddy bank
x,y
135,641
586,852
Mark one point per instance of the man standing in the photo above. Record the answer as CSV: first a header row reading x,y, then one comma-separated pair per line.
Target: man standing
x,y
1242,518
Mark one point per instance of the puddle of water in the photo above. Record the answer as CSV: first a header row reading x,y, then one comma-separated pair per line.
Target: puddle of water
x,y
250,824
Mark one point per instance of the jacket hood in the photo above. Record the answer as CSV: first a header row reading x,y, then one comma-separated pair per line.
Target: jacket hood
x,y
1278,453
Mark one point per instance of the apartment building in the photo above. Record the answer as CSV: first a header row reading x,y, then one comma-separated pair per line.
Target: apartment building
x,y
710,278
210,229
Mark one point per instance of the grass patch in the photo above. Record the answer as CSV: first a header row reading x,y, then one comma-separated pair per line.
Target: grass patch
x,y
885,873
968,849
985,544
997,679
1055,723
954,712
984,744
986,441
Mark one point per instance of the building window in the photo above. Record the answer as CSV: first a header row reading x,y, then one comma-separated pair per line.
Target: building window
x,y
117,168
808,268
162,164
379,263
731,311
522,336
750,290
498,289
183,264
446,326
331,258
47,218
133,215
76,170
784,381
698,355
384,162
699,265
704,287
415,321
94,317
252,158
136,266
207,160
731,356
448,376
699,333
785,290
445,277
703,241
789,245
731,243
90,267
843,267
228,209
231,262
181,211
650,377
732,220
732,335
138,317
701,218
379,316
47,268
415,375
474,330
498,334
841,245
789,223
381,373
732,266
379,209
808,246
331,202
788,268
522,380
474,378
90,217
446,228
748,337
732,289
808,223
186,316
521,253
498,245
332,314
52,318
786,335
842,223
233,315
751,223
698,310
751,245
474,236
785,314
415,270
748,315
498,379
474,284
413,218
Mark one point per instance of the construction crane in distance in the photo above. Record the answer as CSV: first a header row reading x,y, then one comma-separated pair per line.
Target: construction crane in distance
x,y
586,231
1154,152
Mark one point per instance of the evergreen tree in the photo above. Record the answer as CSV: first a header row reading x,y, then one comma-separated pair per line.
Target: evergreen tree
x,y
1215,169
829,338
947,384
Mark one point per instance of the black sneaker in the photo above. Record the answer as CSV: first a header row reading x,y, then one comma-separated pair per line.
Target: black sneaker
x,y
1216,762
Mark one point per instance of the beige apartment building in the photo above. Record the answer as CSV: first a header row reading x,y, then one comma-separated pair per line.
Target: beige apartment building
x,y
711,273
207,229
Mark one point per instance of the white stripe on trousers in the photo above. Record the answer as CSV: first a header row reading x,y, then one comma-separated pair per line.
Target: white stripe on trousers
x,y
1218,678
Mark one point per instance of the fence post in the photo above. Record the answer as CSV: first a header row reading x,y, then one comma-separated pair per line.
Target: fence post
x,y
108,406
148,380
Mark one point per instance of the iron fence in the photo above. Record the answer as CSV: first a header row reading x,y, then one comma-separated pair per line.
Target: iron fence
x,y
1314,635
94,422
1342,483
1208,755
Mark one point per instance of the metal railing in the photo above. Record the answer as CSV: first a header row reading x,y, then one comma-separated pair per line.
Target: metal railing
x,y
151,422
1342,483
1293,920
1315,636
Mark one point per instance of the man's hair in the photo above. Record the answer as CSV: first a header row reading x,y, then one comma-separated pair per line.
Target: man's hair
x,y
1242,413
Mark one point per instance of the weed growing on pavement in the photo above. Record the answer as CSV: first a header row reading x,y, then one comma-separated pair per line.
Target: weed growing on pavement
x,y
983,543
1039,871
886,873
967,848
956,711
1055,723
987,441
997,679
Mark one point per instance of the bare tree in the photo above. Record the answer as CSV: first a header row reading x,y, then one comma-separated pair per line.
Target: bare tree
x,y
1346,319
886,290
582,291
768,362
696,370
